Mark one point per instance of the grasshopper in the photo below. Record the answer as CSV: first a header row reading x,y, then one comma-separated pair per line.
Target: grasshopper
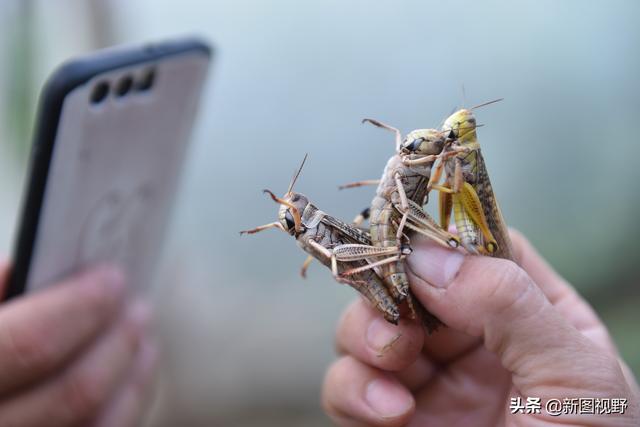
x,y
467,189
345,249
400,196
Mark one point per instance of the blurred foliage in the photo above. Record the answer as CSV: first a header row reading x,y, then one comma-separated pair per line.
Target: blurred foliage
x,y
20,82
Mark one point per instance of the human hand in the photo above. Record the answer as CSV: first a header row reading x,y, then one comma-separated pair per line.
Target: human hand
x,y
74,354
512,332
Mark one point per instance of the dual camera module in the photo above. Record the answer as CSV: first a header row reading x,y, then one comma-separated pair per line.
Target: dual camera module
x,y
123,86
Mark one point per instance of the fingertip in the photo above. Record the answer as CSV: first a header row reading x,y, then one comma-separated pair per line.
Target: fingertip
x,y
355,394
363,333
103,287
388,398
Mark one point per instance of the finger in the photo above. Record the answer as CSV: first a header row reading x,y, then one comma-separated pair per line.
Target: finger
x,y
363,333
4,275
130,402
355,394
561,294
417,375
39,333
495,299
75,396
550,282
447,344
474,384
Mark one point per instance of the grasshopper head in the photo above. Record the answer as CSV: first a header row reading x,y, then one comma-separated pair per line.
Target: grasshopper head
x,y
289,214
460,126
423,142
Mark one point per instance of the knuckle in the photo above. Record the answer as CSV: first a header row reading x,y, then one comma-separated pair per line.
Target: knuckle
x,y
508,287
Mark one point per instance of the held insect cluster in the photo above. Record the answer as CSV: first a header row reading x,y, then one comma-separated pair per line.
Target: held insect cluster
x,y
371,260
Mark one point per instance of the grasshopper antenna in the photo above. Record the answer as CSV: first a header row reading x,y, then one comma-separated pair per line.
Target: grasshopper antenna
x,y
297,174
297,219
486,103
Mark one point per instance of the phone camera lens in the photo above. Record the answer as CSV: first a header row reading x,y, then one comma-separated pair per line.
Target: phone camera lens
x,y
100,92
124,86
146,81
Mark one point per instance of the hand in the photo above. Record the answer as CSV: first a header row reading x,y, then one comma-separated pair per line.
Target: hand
x,y
512,332
74,354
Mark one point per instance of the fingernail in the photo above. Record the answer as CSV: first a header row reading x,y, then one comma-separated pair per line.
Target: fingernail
x,y
434,264
381,334
387,398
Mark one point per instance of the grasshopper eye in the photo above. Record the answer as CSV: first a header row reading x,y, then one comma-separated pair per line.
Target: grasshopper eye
x,y
414,145
289,220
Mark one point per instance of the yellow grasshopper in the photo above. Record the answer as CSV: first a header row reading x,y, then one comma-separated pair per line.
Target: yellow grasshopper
x,y
467,189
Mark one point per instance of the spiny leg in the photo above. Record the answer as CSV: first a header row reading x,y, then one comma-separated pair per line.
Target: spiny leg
x,y
334,265
467,229
372,265
398,135
436,173
422,160
458,179
436,237
263,227
404,200
317,246
350,252
305,266
359,184
445,204
473,207
421,220
405,204
378,298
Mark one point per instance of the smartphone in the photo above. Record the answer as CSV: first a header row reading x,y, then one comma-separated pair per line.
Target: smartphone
x,y
110,138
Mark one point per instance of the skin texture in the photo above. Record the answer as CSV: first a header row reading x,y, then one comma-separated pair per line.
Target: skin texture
x,y
512,331
75,354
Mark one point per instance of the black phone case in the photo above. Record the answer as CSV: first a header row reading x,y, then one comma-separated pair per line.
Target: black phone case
x,y
64,80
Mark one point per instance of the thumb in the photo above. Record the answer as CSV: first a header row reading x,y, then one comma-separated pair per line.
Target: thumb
x,y
496,300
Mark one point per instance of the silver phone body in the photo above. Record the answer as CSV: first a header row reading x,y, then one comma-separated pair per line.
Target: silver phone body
x,y
114,171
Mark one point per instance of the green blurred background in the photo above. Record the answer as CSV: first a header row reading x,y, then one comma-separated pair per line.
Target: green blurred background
x,y
245,340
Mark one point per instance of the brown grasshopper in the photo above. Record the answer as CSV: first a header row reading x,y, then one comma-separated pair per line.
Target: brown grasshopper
x,y
400,196
467,189
346,249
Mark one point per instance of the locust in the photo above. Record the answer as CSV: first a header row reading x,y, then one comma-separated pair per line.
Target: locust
x,y
467,189
345,249
398,203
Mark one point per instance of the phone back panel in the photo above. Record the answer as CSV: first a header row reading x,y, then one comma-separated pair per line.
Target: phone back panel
x,y
113,168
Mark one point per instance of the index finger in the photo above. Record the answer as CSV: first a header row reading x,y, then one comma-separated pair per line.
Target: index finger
x,y
41,332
